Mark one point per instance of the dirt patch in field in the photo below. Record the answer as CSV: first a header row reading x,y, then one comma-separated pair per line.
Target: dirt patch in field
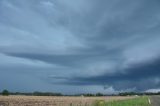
x,y
53,100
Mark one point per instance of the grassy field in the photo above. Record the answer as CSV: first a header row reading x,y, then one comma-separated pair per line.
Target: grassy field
x,y
55,101
140,101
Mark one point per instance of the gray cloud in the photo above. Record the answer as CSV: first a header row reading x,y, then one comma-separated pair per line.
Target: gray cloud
x,y
142,77
82,42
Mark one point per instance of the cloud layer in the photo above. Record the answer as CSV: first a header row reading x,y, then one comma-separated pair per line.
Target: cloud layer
x,y
71,46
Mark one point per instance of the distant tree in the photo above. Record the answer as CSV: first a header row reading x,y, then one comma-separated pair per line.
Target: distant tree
x,y
5,92
88,94
99,94
46,94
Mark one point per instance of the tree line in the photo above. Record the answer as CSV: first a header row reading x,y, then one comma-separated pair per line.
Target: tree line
x,y
37,93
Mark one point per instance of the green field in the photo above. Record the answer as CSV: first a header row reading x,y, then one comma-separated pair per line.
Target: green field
x,y
139,101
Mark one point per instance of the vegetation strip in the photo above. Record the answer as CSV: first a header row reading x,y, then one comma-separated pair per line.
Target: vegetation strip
x,y
139,101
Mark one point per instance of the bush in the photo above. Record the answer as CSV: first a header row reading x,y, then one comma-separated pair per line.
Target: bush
x,y
5,93
99,94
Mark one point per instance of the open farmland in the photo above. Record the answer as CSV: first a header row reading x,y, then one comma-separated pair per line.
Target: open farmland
x,y
54,101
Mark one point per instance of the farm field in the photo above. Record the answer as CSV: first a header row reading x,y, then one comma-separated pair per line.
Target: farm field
x,y
55,101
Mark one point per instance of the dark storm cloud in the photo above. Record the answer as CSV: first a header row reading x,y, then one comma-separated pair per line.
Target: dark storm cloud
x,y
140,76
70,59
82,42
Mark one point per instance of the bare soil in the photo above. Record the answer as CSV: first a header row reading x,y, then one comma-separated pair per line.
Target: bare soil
x,y
53,100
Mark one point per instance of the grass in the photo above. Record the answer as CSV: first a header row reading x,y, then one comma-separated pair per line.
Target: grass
x,y
139,101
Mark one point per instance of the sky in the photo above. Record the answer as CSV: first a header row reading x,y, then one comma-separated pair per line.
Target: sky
x,y
80,46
